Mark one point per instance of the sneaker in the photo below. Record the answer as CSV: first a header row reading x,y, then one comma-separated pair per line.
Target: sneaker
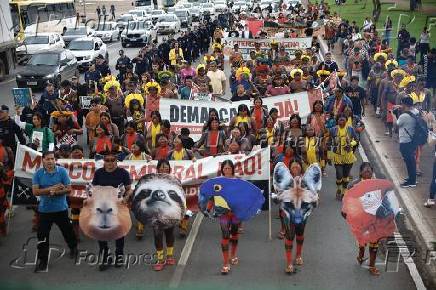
x,y
41,266
406,184
429,203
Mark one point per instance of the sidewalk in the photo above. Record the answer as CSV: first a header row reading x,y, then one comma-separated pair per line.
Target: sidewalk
x,y
420,221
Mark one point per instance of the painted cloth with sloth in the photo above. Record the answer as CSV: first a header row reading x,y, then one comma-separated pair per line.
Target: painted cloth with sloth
x,y
241,197
296,194
159,200
104,215
371,207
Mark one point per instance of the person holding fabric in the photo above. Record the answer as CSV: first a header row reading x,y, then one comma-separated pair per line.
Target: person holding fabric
x,y
112,175
229,223
366,172
243,116
164,167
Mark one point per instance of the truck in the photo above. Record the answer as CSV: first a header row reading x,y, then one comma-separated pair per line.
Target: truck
x,y
7,41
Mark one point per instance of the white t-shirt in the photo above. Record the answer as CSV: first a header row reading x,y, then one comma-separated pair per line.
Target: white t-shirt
x,y
216,79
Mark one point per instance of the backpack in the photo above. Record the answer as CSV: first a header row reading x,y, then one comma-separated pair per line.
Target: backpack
x,y
420,136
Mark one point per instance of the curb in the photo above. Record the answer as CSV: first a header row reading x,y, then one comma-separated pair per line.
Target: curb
x,y
414,220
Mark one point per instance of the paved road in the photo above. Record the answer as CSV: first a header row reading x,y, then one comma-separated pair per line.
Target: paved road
x,y
329,252
329,255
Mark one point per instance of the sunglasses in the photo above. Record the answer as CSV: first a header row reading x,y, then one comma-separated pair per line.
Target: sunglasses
x,y
110,159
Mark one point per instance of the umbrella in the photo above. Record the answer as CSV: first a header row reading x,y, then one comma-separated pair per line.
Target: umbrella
x,y
243,198
371,207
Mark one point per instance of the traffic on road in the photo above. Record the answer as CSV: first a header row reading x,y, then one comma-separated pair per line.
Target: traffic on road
x,y
212,144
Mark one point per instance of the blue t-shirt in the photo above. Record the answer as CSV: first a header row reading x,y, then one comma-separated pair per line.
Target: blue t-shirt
x,y
45,179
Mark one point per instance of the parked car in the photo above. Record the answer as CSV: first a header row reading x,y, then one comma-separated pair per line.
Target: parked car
x,y
168,23
208,7
37,43
139,32
77,32
240,6
140,14
221,6
107,31
50,66
184,17
196,14
155,14
124,20
86,50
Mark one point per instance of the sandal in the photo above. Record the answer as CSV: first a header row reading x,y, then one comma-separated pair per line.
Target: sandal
x,y
360,260
374,271
159,266
234,261
171,261
225,269
299,261
290,269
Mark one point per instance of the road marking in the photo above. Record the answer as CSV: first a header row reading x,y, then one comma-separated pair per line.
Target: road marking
x,y
404,251
7,81
178,273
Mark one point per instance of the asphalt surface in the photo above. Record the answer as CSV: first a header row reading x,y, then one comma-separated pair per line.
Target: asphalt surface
x,y
329,252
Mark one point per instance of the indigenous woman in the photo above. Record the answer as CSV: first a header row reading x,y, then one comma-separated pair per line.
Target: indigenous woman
x,y
342,139
312,152
243,116
154,128
163,166
135,111
366,172
130,136
317,121
229,223
259,114
162,149
212,140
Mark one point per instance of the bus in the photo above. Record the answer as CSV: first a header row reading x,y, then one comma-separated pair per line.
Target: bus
x,y
32,16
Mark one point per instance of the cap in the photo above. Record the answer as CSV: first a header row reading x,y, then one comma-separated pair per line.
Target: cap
x,y
4,108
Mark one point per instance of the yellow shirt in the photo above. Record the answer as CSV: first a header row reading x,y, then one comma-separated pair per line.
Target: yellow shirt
x,y
178,155
342,156
154,131
134,157
417,98
311,150
240,119
270,136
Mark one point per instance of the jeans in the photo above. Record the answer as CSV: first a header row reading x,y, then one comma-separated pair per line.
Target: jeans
x,y
408,151
433,182
46,220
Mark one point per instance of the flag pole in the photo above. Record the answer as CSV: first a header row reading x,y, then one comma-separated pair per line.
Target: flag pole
x,y
10,211
269,195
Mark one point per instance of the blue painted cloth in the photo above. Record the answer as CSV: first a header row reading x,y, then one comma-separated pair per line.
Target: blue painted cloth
x,y
244,198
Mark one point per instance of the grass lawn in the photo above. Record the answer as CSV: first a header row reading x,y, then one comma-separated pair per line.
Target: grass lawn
x,y
415,21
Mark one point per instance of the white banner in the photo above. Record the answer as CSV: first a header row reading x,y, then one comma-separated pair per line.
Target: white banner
x,y
253,167
247,45
193,115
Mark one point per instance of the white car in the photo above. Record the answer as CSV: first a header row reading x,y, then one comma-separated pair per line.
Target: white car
x,y
195,14
155,14
139,32
86,50
124,20
139,14
107,31
145,8
240,5
221,6
168,23
39,43
209,7
264,4
77,32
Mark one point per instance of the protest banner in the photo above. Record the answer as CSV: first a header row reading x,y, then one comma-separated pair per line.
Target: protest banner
x,y
247,45
193,115
253,167
22,96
